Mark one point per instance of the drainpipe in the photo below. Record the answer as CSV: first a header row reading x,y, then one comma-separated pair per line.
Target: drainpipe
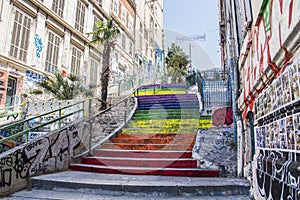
x,y
234,78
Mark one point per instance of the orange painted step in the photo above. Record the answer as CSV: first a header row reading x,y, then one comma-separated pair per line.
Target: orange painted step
x,y
127,146
154,135
167,140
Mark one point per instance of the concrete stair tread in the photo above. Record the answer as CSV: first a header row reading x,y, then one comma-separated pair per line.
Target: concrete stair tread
x,y
71,194
146,180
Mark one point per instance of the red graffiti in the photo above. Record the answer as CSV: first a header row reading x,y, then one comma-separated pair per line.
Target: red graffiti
x,y
222,117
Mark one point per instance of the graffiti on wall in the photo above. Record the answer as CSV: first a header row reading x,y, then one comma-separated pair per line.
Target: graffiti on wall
x,y
213,148
47,154
222,117
3,82
272,30
277,175
38,45
277,161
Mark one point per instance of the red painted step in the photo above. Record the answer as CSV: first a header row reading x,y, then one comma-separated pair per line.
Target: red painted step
x,y
141,162
186,172
141,153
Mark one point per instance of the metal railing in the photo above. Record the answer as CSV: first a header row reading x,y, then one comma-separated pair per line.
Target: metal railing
x,y
103,125
17,133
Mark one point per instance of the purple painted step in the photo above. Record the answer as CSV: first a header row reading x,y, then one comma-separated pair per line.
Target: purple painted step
x,y
168,96
185,172
141,153
163,86
141,162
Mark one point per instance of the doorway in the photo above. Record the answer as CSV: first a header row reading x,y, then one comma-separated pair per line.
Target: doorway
x,y
10,91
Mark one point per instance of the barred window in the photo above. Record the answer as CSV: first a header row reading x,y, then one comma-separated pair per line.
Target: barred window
x,y
20,36
58,7
76,60
80,13
94,70
52,53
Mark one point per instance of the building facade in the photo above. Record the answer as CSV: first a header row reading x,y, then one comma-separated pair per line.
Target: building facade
x,y
263,37
149,40
44,37
40,38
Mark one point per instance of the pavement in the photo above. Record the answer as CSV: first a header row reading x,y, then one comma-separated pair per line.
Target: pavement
x,y
85,185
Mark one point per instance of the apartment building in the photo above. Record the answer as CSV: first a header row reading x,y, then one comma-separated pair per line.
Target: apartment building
x,y
149,39
39,38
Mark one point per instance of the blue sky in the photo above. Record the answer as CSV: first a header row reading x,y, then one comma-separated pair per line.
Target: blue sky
x,y
185,18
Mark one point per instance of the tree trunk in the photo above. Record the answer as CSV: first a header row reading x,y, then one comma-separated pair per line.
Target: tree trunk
x,y
105,74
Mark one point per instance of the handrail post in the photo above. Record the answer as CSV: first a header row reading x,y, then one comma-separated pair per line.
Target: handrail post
x,y
125,111
90,138
59,121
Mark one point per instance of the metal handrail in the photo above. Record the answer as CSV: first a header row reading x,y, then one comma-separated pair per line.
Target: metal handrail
x,y
25,122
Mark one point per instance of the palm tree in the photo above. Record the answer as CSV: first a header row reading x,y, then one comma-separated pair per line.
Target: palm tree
x,y
176,61
105,33
67,88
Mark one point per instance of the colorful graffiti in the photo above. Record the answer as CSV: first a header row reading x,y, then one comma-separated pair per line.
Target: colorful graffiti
x,y
46,154
266,41
222,117
3,82
277,174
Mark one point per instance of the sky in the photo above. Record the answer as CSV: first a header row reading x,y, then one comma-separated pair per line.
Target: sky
x,y
185,19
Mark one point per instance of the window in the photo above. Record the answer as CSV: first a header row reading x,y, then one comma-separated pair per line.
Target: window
x,y
123,41
76,60
116,7
58,7
123,15
130,48
141,27
80,13
146,34
20,36
99,1
130,24
52,53
94,71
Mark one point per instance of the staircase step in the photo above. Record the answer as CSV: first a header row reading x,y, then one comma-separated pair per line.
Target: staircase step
x,y
140,162
153,140
141,153
185,172
86,185
155,135
188,146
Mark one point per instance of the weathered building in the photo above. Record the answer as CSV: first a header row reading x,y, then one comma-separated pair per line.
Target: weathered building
x,y
149,39
260,43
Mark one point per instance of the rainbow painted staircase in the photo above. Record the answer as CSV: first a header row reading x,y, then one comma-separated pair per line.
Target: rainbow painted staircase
x,y
157,141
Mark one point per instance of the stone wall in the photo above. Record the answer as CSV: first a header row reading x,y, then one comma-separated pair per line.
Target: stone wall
x,y
214,149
